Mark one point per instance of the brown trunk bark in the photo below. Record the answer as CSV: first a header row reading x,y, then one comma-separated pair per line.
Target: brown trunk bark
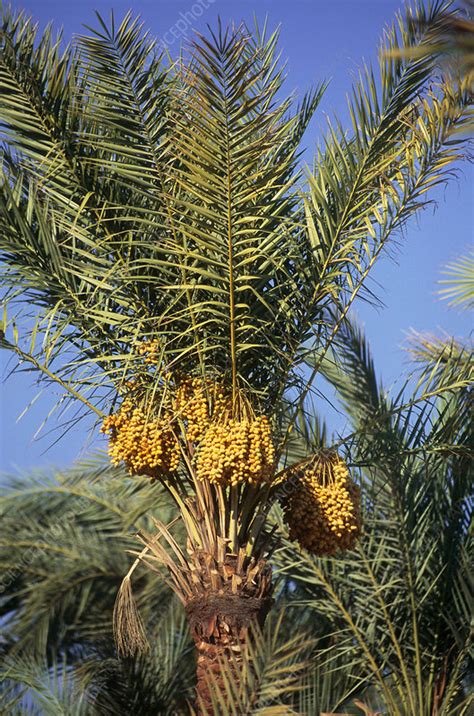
x,y
239,596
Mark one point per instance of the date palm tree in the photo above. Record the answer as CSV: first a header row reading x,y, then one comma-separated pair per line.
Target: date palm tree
x,y
167,264
386,628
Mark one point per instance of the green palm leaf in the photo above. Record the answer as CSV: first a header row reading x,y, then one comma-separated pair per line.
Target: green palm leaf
x,y
389,602
459,287
165,202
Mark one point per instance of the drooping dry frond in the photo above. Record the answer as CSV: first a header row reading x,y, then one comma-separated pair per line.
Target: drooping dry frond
x,y
129,631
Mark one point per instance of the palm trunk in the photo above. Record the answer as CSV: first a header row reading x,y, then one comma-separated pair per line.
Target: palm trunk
x,y
232,596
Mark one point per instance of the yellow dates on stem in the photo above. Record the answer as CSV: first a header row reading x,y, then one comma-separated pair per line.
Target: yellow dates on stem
x,y
146,446
232,444
236,451
323,510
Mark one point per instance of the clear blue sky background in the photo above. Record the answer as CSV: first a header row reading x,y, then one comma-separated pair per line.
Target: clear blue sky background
x,y
321,39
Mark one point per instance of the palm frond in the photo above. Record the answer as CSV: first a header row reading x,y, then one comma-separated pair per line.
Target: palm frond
x,y
459,287
74,546
452,35
157,682
33,688
156,201
368,182
389,601
349,367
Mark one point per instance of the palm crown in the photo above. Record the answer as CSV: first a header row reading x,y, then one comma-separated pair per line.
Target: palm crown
x,y
146,201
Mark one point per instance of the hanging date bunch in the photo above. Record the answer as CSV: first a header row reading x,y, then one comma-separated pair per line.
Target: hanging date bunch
x,y
323,510
146,444
144,435
195,403
237,447
227,442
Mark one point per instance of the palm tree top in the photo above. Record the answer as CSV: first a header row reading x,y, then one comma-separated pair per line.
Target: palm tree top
x,y
148,201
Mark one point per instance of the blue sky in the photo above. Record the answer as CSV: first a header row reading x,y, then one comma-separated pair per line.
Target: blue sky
x,y
321,39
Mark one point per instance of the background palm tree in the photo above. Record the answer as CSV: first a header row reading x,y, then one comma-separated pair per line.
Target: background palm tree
x,y
154,208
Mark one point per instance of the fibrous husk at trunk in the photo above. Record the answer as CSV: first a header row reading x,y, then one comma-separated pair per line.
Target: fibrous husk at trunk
x,y
232,598
224,593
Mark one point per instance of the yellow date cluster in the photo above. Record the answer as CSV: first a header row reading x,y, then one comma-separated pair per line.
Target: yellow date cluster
x,y
228,444
234,451
150,352
194,402
146,446
323,512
